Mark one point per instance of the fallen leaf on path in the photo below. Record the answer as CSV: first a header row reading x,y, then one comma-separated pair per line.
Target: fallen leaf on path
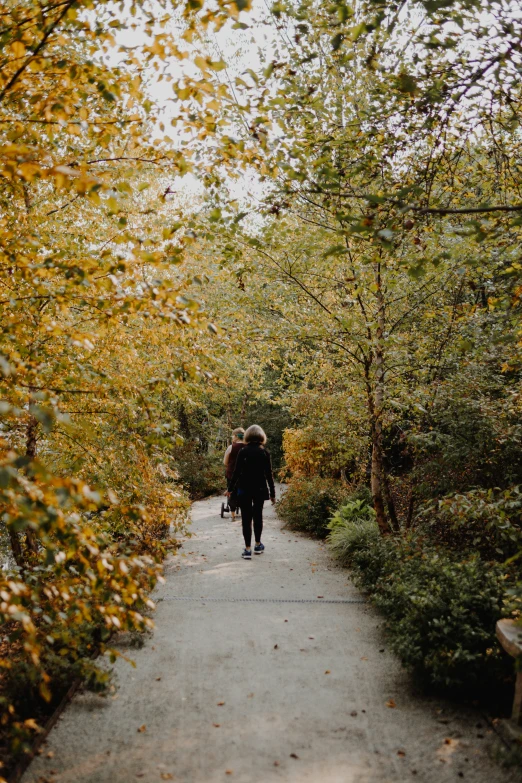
x,y
166,776
401,753
229,772
158,679
390,703
364,658
276,763
320,596
140,774
50,755
311,637
142,729
353,713
220,703
294,756
328,671
216,725
286,621
448,747
276,646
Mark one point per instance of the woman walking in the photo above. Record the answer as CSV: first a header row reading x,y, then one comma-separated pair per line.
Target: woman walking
x,y
254,482
229,461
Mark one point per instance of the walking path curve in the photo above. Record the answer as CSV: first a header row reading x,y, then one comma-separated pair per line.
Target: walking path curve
x,y
267,670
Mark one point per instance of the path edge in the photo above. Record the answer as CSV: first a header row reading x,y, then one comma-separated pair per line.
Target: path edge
x,y
21,767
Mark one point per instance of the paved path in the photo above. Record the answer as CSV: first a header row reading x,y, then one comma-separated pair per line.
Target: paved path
x,y
293,688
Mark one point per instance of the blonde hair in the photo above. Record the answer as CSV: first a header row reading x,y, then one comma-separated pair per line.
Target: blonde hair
x,y
238,432
255,434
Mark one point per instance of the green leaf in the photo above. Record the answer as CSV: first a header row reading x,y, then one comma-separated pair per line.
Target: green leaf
x,y
337,41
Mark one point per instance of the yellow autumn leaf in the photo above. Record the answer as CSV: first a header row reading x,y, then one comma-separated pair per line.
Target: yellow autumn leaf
x,y
18,48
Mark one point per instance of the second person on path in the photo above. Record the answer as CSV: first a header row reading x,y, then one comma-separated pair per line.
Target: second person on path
x,y
229,461
254,483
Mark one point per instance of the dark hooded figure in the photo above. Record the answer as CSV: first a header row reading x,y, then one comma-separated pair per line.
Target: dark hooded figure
x,y
254,483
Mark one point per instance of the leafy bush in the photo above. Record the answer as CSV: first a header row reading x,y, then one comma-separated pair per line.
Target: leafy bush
x,y
352,530
349,540
201,473
324,446
474,435
440,611
355,510
81,584
483,520
308,503
441,614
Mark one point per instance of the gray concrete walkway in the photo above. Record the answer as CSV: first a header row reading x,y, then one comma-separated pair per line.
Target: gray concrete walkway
x,y
294,687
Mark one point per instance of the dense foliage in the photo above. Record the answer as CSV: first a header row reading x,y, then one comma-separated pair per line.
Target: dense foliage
x,y
440,606
308,503
384,277
102,340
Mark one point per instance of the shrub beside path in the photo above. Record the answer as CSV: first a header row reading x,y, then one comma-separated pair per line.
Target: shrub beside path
x,y
288,688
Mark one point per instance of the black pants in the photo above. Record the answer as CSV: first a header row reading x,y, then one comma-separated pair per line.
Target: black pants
x,y
251,510
232,500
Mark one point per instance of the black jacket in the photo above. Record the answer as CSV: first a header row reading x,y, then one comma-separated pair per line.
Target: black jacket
x,y
253,472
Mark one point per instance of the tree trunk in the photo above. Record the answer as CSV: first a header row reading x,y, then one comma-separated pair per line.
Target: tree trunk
x,y
184,424
411,506
376,481
377,406
376,469
30,451
16,548
243,410
390,503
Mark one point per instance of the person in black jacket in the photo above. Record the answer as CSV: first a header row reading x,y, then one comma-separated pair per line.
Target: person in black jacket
x,y
254,482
